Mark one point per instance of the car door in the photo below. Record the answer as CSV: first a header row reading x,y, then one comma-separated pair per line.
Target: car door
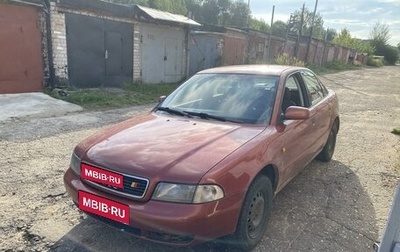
x,y
294,138
320,108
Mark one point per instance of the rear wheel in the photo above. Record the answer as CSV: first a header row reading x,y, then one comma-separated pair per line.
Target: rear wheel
x,y
255,214
327,152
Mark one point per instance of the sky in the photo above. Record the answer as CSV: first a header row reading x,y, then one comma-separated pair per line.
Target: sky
x,y
358,16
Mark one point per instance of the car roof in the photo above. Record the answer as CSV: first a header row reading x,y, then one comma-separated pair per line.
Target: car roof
x,y
253,69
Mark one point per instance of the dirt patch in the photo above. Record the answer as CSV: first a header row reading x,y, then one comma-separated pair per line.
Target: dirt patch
x,y
337,206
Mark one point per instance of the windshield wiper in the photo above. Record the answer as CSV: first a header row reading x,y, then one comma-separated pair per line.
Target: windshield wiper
x,y
173,111
208,116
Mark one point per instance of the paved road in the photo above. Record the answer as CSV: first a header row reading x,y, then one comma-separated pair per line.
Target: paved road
x,y
336,206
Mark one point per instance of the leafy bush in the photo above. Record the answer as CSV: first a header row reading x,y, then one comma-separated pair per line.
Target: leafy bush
x,y
337,65
341,65
285,59
375,62
357,63
333,67
390,53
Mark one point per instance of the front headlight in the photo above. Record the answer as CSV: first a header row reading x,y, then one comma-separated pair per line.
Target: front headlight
x,y
182,193
75,164
174,192
207,193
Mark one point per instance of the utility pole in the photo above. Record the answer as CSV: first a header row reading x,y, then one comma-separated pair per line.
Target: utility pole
x,y
302,20
248,14
311,30
300,32
270,34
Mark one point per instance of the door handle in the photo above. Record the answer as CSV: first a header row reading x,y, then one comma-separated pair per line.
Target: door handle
x,y
106,54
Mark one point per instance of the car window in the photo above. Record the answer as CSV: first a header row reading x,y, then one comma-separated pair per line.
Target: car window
x,y
315,90
240,97
293,85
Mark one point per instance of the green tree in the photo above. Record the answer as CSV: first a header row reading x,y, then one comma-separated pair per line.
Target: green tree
x,y
219,12
173,6
344,39
303,24
380,33
240,13
194,9
279,28
210,12
391,54
330,34
259,24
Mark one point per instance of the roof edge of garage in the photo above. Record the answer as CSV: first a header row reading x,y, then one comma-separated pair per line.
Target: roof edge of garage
x,y
158,15
37,3
114,9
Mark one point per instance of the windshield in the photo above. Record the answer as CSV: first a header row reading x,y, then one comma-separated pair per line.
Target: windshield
x,y
231,97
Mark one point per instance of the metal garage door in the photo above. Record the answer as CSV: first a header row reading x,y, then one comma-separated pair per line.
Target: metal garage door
x,y
204,52
21,66
100,52
162,54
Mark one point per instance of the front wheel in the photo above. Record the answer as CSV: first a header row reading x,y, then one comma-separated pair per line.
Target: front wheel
x,y
255,214
327,152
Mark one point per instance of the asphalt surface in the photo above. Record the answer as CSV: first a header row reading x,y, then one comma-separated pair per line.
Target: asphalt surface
x,y
33,105
337,206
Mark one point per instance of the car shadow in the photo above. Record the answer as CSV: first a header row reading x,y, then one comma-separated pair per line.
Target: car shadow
x,y
325,208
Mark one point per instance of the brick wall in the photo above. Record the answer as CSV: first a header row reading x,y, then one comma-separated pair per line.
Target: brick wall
x,y
137,56
45,48
59,40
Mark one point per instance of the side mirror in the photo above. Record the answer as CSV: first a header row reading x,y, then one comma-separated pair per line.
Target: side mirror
x,y
297,113
161,98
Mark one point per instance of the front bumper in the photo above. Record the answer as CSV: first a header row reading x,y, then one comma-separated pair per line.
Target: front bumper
x,y
166,222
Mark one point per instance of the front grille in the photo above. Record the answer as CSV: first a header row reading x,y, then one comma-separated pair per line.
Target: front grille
x,y
137,191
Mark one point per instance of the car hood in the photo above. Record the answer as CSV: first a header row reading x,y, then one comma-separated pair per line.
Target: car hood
x,y
165,148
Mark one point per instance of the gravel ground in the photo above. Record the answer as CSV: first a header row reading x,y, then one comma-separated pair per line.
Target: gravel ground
x,y
337,206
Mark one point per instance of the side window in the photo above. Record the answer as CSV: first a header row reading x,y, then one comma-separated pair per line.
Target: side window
x,y
292,95
316,91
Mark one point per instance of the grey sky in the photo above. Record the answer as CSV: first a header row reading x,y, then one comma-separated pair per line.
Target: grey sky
x,y
357,16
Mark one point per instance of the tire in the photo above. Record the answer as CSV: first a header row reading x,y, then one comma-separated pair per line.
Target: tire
x,y
255,214
329,148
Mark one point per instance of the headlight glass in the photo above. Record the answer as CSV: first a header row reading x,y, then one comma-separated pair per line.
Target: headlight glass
x,y
174,192
182,193
207,193
75,164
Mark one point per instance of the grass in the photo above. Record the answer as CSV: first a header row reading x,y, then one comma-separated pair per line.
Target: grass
x,y
333,67
108,98
396,131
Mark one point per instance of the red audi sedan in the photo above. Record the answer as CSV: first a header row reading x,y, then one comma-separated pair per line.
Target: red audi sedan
x,y
207,161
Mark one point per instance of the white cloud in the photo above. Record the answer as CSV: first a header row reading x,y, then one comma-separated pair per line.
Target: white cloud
x,y
359,16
